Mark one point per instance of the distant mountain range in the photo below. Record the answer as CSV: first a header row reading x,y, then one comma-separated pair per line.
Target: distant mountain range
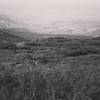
x,y
57,29
86,28
9,26
7,36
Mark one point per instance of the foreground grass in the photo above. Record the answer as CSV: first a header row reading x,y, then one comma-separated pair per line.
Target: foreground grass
x,y
52,72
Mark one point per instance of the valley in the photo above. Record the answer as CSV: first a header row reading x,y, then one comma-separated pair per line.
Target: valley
x,y
35,66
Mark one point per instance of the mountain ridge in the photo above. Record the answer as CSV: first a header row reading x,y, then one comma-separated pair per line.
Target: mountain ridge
x,y
83,29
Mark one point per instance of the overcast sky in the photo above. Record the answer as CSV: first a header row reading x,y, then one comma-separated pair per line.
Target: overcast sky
x,y
48,11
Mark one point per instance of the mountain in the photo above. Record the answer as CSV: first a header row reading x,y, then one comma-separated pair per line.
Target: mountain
x,y
6,22
5,35
94,33
75,27
8,25
68,29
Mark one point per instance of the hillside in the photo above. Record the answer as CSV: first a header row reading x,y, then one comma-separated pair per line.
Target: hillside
x,y
25,33
6,38
56,68
8,25
50,67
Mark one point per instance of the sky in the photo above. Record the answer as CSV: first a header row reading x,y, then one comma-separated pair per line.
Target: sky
x,y
48,11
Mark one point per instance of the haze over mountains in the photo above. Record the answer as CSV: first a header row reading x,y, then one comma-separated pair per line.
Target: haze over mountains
x,y
53,16
10,26
60,28
78,27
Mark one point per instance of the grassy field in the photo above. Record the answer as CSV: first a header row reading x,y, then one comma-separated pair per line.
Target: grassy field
x,y
5,55
51,69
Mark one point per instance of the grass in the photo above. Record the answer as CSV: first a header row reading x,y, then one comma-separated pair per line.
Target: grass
x,y
52,69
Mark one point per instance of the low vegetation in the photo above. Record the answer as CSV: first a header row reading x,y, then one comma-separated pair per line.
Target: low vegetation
x,y
52,69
